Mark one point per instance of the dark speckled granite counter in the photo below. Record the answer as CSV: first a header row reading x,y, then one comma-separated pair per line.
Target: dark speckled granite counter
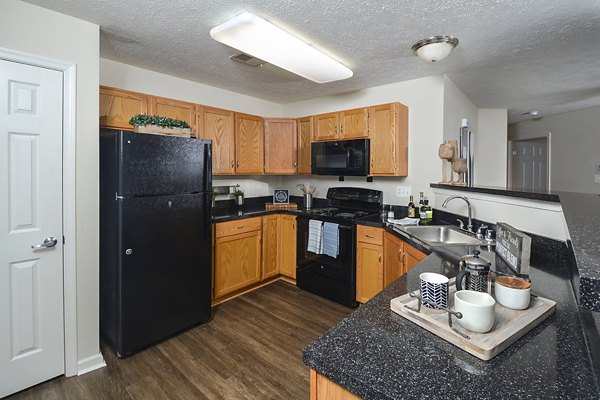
x,y
380,355
500,191
582,213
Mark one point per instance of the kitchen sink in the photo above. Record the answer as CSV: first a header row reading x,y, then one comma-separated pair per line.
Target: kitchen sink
x,y
441,235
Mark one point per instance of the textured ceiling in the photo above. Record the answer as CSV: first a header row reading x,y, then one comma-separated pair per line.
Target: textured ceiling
x,y
522,55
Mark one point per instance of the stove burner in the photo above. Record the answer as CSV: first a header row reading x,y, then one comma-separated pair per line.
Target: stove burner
x,y
345,215
361,213
324,211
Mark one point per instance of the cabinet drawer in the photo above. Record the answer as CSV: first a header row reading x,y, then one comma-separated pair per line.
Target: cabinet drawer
x,y
369,234
238,226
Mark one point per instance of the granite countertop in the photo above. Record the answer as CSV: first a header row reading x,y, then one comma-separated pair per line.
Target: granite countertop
x,y
231,214
377,354
582,215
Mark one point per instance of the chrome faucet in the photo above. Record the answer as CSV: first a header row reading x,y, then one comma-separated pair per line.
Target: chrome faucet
x,y
469,222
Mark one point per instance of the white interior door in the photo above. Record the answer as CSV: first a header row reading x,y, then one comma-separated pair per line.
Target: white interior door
x,y
530,164
31,279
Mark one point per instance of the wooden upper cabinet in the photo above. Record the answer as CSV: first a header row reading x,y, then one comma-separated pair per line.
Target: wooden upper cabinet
x,y
280,146
354,123
305,134
249,144
388,126
174,109
217,125
118,106
287,245
326,126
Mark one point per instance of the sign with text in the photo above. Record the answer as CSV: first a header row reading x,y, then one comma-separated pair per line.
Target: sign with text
x,y
514,247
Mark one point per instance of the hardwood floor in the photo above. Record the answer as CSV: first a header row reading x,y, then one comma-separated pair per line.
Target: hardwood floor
x,y
251,349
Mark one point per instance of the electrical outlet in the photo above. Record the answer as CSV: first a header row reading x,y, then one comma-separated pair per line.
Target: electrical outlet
x,y
403,191
596,178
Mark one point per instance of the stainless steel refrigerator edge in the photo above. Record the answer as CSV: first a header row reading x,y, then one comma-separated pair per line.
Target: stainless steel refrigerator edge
x,y
155,237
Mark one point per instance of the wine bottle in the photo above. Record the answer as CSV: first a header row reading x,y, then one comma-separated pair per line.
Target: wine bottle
x,y
411,208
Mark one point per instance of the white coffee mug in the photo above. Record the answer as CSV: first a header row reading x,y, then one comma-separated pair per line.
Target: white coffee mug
x,y
477,310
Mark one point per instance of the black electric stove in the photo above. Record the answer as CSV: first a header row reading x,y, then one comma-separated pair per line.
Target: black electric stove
x,y
335,277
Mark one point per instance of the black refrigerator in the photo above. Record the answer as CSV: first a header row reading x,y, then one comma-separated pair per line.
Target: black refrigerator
x,y
155,237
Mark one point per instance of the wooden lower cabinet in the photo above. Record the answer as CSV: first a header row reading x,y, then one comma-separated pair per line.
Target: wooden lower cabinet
x,y
381,258
237,261
322,388
270,246
369,271
369,262
393,259
412,257
252,250
287,246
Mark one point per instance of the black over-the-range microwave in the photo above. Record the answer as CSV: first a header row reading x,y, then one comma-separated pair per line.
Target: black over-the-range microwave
x,y
341,157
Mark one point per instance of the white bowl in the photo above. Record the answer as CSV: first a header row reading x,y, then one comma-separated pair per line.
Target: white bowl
x,y
477,310
516,299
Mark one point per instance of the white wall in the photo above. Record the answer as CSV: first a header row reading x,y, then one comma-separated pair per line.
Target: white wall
x,y
574,144
252,186
38,31
124,76
491,147
456,107
424,98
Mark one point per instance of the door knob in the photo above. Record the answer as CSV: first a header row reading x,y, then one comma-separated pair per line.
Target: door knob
x,y
48,242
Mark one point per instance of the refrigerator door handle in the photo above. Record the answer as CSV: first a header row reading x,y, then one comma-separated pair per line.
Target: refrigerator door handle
x,y
208,166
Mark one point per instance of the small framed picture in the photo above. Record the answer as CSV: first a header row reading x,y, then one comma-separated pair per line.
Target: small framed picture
x,y
281,196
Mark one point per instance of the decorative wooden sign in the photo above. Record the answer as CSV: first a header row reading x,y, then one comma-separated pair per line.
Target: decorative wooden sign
x,y
514,247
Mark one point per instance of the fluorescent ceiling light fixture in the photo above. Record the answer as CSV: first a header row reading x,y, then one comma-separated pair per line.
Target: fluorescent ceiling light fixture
x,y
261,39
434,48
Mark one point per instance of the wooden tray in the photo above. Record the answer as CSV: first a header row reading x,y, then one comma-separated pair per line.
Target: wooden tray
x,y
290,206
509,326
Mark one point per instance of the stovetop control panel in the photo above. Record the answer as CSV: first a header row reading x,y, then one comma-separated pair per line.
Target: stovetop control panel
x,y
360,195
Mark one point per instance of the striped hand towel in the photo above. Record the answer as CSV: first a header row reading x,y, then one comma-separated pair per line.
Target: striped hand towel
x,y
331,239
315,236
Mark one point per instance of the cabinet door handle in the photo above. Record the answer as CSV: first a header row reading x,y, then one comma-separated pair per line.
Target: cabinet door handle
x,y
240,227
231,163
295,164
400,256
238,164
372,162
379,258
370,236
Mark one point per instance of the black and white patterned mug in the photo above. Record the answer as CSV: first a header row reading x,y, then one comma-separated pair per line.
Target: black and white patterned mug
x,y
434,290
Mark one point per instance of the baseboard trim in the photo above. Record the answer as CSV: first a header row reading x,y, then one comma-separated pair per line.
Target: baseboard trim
x,y
90,364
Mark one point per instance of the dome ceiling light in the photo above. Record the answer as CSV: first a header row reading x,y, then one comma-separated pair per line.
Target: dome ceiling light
x,y
434,48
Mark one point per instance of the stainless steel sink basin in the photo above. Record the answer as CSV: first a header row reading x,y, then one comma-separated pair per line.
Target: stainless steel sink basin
x,y
438,235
